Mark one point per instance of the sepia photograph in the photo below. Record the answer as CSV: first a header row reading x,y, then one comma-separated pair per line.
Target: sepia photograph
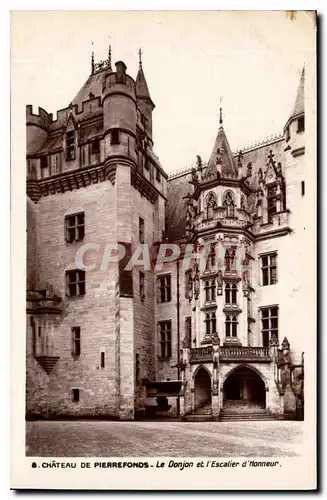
x,y
165,185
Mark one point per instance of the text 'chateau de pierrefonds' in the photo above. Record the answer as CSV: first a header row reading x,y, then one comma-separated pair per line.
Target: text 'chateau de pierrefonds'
x,y
218,339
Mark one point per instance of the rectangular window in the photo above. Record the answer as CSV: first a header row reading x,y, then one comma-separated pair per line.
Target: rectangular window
x,y
76,337
271,202
75,283
269,269
114,136
269,324
188,327
141,285
302,188
102,360
300,124
70,145
95,146
137,367
75,227
44,161
158,177
75,395
141,230
165,339
164,288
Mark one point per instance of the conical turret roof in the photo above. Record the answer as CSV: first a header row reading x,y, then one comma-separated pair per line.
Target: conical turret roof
x,y
222,155
141,87
299,101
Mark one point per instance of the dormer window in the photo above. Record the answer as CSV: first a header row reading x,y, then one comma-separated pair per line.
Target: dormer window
x,y
95,146
300,124
271,202
70,145
114,136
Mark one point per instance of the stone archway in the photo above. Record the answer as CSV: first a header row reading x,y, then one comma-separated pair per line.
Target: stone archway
x,y
244,389
202,388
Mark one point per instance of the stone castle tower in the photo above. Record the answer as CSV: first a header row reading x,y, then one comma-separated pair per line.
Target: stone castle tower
x,y
206,341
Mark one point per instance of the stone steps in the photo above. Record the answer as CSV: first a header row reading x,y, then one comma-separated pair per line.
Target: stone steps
x,y
238,417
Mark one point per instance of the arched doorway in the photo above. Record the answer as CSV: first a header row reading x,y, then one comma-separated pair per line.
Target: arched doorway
x,y
202,388
244,389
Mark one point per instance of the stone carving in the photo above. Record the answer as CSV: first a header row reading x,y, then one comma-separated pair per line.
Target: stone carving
x,y
186,344
285,345
220,279
273,340
215,339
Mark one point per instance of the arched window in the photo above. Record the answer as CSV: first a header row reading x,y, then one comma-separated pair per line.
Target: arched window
x,y
211,203
231,327
229,204
211,259
229,258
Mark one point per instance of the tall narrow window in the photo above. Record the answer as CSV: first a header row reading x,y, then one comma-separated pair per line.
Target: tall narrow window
x,y
229,204
75,283
75,227
76,338
102,360
165,339
302,188
137,367
271,202
269,269
210,322
141,230
114,136
231,327
141,285
70,145
269,328
164,288
234,293
230,259
44,166
300,124
188,326
158,176
95,146
75,395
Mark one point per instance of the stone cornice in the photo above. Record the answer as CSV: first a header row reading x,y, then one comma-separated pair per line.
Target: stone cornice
x,y
143,187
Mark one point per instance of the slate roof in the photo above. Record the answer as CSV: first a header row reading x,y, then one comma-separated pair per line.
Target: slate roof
x,y
178,186
93,84
299,101
229,167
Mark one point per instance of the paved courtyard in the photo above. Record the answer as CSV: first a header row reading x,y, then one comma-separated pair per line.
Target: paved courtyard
x,y
188,439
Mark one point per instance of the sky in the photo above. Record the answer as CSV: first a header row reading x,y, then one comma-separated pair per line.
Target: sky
x,y
252,61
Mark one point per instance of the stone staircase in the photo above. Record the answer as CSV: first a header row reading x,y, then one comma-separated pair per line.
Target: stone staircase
x,y
201,414
234,411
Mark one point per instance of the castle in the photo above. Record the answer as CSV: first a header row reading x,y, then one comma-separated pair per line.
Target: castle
x,y
217,339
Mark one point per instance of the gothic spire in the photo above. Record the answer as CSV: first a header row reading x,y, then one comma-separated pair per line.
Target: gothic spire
x,y
92,60
220,113
140,58
142,91
109,58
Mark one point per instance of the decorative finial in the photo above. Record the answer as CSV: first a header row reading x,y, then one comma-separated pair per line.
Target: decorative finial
x,y
140,57
109,58
220,113
92,60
